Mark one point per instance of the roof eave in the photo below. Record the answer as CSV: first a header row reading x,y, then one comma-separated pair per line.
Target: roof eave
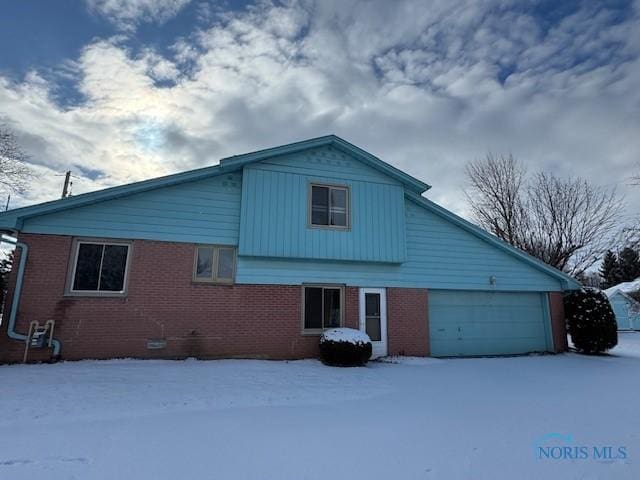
x,y
566,282
625,295
410,182
14,218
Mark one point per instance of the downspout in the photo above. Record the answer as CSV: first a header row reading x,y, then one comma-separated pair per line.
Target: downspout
x,y
16,297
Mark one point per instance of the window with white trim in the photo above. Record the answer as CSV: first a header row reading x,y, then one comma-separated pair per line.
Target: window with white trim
x,y
99,267
329,206
214,264
322,307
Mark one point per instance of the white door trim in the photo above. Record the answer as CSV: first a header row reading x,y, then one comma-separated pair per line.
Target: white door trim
x,y
379,348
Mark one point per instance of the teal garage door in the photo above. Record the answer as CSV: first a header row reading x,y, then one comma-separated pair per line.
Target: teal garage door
x,y
466,323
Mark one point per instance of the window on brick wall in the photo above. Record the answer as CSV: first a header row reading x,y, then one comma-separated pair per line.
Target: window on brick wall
x,y
99,267
323,307
214,264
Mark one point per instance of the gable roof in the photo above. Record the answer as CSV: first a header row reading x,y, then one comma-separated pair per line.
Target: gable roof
x,y
411,183
567,282
624,288
13,219
624,295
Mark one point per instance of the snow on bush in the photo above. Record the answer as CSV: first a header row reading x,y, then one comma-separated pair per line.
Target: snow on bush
x,y
345,347
590,321
345,335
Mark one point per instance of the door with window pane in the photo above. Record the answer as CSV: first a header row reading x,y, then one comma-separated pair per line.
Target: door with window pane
x,y
373,318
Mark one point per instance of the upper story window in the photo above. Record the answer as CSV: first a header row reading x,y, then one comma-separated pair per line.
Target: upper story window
x,y
214,264
329,206
99,268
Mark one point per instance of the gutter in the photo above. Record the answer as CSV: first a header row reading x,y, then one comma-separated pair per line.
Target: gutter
x,y
16,297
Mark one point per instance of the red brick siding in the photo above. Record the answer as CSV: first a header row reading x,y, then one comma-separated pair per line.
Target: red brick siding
x,y
198,320
558,325
407,321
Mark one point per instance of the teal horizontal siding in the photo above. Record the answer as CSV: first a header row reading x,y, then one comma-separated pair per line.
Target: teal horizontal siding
x,y
274,218
204,211
440,255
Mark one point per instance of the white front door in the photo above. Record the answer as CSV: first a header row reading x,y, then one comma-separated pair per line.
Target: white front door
x,y
373,318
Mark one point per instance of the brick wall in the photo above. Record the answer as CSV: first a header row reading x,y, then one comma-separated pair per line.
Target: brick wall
x,y
407,322
201,320
558,325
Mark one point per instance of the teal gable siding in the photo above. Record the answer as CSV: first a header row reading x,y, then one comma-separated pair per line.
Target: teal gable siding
x,y
204,211
274,218
440,255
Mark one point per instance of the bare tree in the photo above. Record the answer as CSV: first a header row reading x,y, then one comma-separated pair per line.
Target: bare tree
x,y
567,223
14,173
631,235
497,202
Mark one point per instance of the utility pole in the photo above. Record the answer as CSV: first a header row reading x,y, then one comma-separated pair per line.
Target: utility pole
x,y
67,184
7,205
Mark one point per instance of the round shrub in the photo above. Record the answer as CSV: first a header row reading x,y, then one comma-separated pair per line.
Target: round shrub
x,y
345,347
590,321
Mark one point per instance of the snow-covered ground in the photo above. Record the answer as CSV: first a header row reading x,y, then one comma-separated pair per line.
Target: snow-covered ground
x,y
406,418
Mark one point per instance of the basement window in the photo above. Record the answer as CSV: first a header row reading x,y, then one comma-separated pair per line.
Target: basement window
x,y
329,206
214,264
99,268
323,306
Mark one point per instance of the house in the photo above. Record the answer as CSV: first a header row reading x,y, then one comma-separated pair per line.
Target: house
x,y
254,257
625,307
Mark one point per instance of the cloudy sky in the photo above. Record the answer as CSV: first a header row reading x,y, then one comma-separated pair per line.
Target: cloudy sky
x,y
123,90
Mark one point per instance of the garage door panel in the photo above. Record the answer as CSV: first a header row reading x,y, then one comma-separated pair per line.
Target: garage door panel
x,y
490,347
478,313
486,323
487,329
462,315
507,330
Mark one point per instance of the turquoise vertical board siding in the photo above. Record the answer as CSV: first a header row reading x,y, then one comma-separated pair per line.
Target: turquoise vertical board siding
x,y
204,211
463,323
621,309
627,312
439,255
275,200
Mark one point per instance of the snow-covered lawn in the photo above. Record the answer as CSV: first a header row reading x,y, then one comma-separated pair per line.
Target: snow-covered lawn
x,y
413,419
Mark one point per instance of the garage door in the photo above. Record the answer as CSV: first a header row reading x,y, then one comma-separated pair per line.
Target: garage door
x,y
465,323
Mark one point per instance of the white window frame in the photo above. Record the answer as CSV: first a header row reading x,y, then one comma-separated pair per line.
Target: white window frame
x,y
70,291
214,267
323,286
347,191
